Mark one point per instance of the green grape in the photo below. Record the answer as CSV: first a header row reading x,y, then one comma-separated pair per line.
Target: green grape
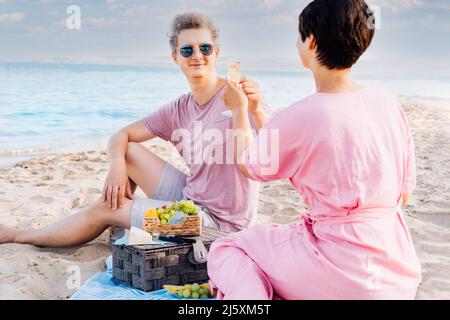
x,y
166,216
202,291
195,295
163,221
186,293
204,296
180,293
189,207
195,287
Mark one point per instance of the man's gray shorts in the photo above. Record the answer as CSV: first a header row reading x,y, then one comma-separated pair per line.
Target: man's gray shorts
x,y
169,189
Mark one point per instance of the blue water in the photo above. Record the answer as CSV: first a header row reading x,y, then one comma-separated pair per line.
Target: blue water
x,y
47,108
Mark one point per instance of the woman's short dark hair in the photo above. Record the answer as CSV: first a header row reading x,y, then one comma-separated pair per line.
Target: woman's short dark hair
x,y
343,30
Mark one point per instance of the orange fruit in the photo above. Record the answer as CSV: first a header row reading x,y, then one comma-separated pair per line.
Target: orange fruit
x,y
151,213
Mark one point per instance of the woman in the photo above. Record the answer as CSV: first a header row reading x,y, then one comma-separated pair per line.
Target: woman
x,y
227,198
348,151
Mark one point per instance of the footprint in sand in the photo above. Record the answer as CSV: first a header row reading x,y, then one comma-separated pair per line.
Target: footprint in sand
x,y
79,202
10,279
269,208
284,219
88,168
75,203
96,159
58,186
40,184
42,199
93,191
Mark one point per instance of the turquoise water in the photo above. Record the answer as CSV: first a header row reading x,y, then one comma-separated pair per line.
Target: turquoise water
x,y
48,108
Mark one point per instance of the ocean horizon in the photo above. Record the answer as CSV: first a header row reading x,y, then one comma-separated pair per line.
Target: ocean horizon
x,y
48,108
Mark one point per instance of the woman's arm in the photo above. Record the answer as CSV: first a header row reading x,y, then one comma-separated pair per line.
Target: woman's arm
x,y
259,118
255,104
243,137
236,100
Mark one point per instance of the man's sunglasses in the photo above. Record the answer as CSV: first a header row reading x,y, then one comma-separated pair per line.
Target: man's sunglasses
x,y
206,49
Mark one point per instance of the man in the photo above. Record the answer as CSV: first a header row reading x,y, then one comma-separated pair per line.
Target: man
x,y
227,198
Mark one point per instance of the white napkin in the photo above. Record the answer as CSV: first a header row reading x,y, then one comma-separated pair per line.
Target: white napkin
x,y
138,236
177,218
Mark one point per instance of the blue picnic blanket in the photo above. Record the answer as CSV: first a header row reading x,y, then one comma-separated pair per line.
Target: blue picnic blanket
x,y
102,286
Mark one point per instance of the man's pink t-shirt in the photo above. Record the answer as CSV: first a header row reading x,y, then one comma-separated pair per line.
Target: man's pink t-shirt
x,y
200,134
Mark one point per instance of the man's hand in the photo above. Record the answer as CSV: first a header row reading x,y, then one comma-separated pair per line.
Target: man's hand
x,y
235,98
117,185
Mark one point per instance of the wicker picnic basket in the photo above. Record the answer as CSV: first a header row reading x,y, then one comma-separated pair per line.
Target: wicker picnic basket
x,y
148,267
191,226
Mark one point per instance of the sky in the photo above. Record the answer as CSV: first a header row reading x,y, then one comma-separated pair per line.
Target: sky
x,y
413,34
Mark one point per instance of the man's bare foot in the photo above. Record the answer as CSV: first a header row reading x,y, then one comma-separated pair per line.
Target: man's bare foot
x,y
7,234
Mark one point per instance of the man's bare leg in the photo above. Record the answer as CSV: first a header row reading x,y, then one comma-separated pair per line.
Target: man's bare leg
x,y
144,169
76,229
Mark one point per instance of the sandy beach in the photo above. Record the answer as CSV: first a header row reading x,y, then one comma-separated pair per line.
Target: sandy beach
x,y
37,192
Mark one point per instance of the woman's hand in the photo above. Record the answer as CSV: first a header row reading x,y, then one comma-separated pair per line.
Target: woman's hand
x,y
117,185
235,98
253,93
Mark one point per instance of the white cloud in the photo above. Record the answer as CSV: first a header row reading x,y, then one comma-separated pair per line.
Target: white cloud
x,y
439,5
114,4
399,5
13,17
136,11
429,22
53,12
280,19
233,4
99,22
396,5
269,4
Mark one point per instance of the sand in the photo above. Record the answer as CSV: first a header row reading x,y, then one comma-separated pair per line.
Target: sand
x,y
37,192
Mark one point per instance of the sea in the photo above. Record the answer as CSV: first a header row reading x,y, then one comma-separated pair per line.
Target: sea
x,y
49,108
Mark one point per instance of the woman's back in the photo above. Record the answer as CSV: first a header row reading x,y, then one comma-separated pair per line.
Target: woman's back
x,y
346,153
351,157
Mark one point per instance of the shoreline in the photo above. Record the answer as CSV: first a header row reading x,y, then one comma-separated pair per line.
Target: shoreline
x,y
11,158
39,191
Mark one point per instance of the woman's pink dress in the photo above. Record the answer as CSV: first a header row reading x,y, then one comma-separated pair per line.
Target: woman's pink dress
x,y
351,157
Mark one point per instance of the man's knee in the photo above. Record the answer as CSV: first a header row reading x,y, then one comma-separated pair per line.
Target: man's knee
x,y
98,211
103,215
133,150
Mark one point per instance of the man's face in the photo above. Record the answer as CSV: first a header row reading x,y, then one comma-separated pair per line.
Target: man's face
x,y
197,65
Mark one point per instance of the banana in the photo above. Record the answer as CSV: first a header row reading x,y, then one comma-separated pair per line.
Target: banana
x,y
172,288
